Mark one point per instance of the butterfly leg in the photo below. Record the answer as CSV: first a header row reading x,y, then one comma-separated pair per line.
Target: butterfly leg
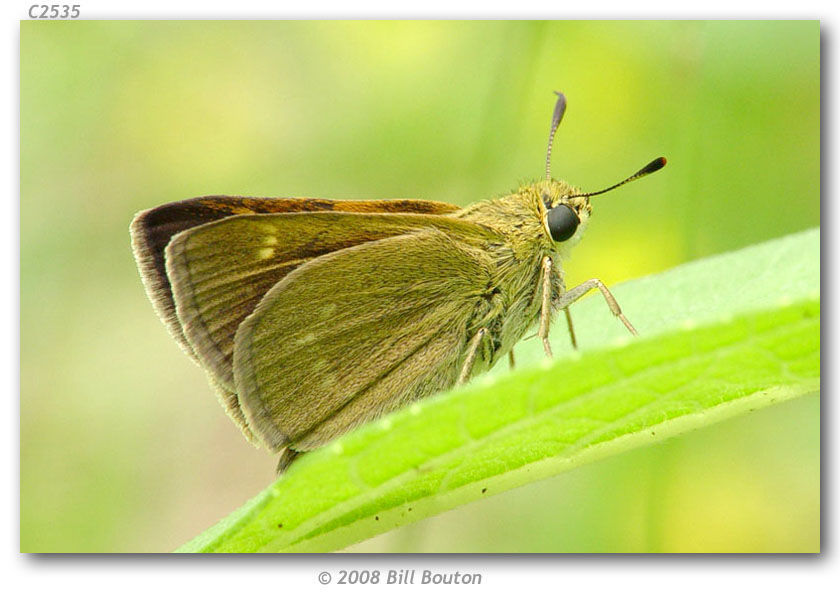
x,y
545,311
472,352
579,290
511,360
571,327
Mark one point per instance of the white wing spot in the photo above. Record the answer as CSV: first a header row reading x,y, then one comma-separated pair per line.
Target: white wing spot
x,y
270,240
266,253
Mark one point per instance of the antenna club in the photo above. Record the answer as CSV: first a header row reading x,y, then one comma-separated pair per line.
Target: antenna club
x,y
651,167
556,117
656,164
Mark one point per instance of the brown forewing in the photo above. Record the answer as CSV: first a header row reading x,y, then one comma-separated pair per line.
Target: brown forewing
x,y
152,230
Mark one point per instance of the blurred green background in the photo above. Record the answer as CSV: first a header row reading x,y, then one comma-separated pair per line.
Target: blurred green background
x,y
124,447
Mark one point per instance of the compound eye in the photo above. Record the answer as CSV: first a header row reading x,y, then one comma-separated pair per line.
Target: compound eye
x,y
562,223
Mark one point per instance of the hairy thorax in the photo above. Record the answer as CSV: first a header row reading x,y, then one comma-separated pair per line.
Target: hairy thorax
x,y
516,246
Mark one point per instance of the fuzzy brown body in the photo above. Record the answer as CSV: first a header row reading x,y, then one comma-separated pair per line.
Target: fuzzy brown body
x,y
314,316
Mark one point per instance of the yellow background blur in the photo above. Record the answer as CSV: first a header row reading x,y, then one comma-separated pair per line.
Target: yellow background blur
x,y
124,448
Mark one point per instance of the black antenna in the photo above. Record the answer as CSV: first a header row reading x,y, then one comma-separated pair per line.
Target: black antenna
x,y
652,167
559,109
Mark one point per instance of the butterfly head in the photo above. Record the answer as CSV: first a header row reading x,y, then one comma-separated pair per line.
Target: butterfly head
x,y
567,209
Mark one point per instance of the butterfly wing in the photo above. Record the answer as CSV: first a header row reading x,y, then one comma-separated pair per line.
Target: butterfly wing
x,y
152,230
220,271
359,332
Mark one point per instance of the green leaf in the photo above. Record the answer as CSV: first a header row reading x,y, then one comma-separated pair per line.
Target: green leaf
x,y
720,337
